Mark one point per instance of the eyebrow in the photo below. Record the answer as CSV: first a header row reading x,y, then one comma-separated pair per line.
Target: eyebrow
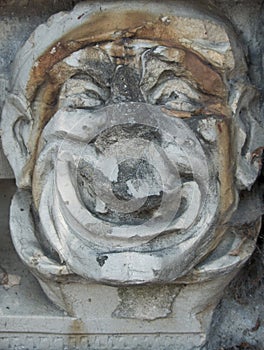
x,y
200,74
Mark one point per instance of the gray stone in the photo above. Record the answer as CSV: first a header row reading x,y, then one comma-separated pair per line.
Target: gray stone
x,y
131,139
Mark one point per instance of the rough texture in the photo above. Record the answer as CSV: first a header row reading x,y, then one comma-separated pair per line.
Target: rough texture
x,y
68,80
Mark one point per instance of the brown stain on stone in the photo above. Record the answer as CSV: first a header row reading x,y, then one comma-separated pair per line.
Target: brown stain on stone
x,y
114,25
77,329
228,195
207,79
162,31
176,114
45,62
77,326
226,167
100,27
217,107
43,85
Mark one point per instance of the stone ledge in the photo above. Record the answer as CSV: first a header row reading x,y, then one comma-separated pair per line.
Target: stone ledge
x,y
28,320
42,341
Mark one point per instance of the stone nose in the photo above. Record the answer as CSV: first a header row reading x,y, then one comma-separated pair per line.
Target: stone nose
x,y
133,174
126,85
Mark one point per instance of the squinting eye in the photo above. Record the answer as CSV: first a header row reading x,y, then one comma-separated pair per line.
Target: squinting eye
x,y
82,94
175,94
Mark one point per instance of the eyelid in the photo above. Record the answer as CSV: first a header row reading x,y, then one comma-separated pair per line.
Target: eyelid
x,y
176,94
176,85
82,93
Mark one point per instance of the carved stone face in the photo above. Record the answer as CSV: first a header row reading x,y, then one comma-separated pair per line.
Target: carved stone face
x,y
130,140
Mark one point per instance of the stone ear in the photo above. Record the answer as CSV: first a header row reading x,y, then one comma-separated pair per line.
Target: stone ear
x,y
17,124
250,134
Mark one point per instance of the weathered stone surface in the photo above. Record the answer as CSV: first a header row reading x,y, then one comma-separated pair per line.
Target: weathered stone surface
x,y
131,136
5,170
59,341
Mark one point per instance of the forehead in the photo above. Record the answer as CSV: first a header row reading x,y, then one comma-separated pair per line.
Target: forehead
x,y
170,24
148,58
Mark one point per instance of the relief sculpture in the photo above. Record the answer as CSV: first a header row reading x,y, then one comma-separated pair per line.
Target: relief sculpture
x,y
130,130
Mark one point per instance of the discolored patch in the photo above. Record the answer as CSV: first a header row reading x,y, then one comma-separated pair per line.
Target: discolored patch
x,y
146,302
